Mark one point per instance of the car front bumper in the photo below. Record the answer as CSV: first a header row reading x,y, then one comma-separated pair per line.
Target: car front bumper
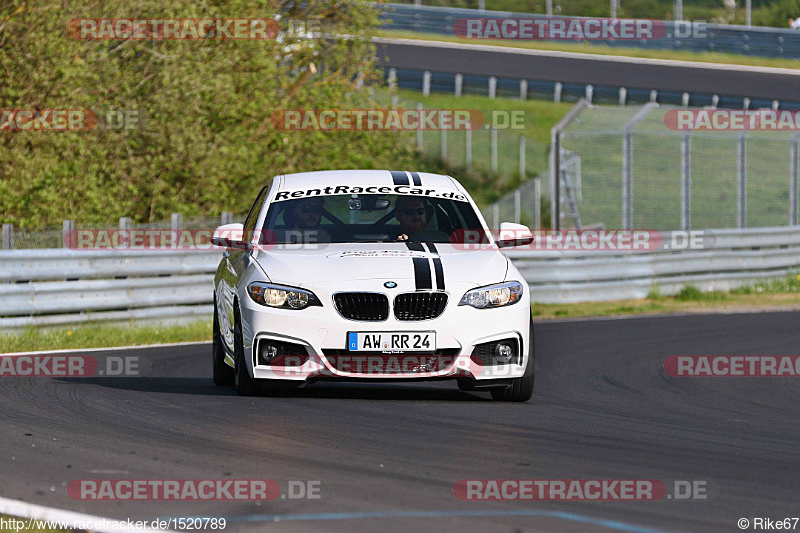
x,y
322,333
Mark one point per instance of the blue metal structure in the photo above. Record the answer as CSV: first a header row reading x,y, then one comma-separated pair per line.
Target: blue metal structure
x,y
753,41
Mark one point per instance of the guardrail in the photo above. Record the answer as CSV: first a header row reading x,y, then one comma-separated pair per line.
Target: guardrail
x,y
60,286
53,287
737,257
754,41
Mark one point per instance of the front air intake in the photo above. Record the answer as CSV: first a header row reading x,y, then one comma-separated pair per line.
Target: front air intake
x,y
419,305
363,306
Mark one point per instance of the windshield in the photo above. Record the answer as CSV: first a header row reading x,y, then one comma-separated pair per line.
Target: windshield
x,y
370,218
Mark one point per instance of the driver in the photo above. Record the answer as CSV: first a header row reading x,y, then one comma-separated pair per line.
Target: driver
x,y
306,214
304,217
412,213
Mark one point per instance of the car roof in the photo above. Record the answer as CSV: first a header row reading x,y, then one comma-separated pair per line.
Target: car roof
x,y
359,178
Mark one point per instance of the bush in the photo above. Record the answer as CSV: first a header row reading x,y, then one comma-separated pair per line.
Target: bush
x,y
206,143
777,14
655,293
692,293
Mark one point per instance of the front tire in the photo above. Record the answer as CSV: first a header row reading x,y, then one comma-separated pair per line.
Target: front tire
x,y
223,374
242,382
521,389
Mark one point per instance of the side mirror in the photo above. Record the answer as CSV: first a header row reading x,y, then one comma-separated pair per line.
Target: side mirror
x,y
514,235
230,236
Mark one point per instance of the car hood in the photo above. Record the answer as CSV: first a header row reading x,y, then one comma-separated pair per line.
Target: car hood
x,y
385,261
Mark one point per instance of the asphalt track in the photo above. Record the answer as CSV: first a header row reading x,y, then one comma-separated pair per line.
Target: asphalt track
x,y
387,455
609,71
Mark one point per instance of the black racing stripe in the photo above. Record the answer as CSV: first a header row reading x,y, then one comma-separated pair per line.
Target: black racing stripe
x,y
417,179
422,273
437,266
399,177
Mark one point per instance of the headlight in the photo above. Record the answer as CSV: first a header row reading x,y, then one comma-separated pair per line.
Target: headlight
x,y
280,296
493,295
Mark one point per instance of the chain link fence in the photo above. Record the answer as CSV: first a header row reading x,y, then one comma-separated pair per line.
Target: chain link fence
x,y
523,205
501,151
54,237
622,167
612,167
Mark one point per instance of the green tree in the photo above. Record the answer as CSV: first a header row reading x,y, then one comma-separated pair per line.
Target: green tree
x,y
205,143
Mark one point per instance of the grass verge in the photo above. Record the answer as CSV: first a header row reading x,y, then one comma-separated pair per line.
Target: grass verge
x,y
103,336
761,296
599,49
766,295
539,116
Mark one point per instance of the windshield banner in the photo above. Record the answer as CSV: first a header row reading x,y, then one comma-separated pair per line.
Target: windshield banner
x,y
372,189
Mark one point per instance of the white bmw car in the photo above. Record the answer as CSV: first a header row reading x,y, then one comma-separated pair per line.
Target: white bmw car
x,y
370,275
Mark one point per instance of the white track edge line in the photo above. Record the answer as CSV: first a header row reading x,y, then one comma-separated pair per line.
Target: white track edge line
x,y
20,509
723,312
111,348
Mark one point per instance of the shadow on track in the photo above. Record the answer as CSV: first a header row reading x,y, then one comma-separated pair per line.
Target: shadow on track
x,y
323,391
198,386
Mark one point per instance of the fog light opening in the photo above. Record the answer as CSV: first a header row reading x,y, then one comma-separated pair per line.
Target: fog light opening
x,y
503,353
499,352
271,352
267,353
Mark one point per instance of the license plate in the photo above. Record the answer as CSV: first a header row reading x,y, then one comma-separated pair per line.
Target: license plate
x,y
392,341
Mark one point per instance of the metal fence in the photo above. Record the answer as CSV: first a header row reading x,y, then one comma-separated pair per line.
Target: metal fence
x,y
523,205
622,167
53,287
58,286
556,91
503,151
737,257
55,237
754,41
